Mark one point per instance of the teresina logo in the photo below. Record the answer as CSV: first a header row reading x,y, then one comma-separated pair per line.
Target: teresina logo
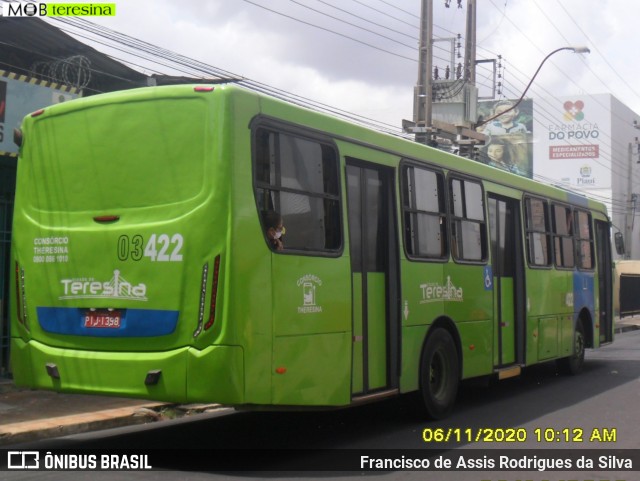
x,y
434,292
117,288
309,283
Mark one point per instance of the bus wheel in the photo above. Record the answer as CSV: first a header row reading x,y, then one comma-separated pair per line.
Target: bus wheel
x,y
573,364
439,374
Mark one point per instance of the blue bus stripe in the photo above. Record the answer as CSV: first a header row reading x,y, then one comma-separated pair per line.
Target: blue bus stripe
x,y
134,323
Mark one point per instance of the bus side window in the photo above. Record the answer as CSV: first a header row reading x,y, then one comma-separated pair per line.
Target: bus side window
x,y
563,236
298,177
538,232
424,208
264,169
584,240
468,225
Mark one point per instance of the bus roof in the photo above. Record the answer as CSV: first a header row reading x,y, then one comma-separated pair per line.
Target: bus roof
x,y
338,129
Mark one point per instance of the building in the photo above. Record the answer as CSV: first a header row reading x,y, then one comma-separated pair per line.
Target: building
x,y
589,143
585,143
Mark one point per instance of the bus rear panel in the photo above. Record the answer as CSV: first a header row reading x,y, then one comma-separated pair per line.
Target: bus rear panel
x,y
119,248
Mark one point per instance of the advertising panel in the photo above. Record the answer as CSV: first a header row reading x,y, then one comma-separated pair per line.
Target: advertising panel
x,y
572,144
510,135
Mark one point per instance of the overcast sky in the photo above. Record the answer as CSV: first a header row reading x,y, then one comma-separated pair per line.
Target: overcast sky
x,y
373,74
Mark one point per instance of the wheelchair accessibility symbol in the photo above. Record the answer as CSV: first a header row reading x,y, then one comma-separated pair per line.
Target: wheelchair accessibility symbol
x,y
488,278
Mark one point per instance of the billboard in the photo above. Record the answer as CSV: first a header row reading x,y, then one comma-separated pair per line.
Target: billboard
x,y
573,141
510,135
21,95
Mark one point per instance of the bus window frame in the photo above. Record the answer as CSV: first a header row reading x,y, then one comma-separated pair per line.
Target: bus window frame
x,y
577,239
526,231
410,163
451,176
274,125
555,235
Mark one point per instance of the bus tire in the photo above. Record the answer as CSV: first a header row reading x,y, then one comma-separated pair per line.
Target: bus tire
x,y
573,364
439,374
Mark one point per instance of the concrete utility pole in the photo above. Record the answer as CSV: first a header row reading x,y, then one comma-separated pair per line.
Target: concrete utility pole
x,y
631,208
457,133
423,91
470,44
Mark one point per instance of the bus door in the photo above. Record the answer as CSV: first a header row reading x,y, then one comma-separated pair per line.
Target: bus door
x,y
508,280
373,249
603,259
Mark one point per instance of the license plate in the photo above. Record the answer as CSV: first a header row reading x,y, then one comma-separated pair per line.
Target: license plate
x,y
103,319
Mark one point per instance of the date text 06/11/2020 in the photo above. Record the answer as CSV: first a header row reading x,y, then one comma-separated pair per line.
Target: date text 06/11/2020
x,y
519,435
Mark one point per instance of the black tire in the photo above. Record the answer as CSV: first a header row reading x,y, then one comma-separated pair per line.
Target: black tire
x,y
439,374
573,364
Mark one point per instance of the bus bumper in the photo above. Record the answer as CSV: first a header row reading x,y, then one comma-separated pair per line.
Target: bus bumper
x,y
186,375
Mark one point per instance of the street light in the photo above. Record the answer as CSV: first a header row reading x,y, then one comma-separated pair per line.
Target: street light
x,y
573,49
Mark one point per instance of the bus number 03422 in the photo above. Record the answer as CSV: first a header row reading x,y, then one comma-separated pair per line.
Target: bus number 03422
x,y
159,248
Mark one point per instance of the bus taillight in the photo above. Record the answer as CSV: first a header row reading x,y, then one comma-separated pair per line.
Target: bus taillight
x,y
21,302
203,296
203,292
214,293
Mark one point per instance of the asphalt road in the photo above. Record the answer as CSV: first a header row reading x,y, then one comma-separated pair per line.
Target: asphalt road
x,y
539,411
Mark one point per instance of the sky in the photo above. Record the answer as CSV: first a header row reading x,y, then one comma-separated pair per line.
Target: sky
x,y
369,65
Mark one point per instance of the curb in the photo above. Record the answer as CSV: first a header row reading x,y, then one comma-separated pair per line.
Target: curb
x,y
625,328
6,385
39,429
144,413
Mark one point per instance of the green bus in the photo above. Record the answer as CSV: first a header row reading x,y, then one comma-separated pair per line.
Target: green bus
x,y
144,265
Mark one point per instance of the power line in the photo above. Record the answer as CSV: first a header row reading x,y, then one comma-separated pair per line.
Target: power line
x,y
386,14
560,70
595,47
291,17
353,25
187,65
183,61
398,8
193,66
330,31
412,37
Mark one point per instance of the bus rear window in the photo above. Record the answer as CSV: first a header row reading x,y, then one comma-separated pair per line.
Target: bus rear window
x,y
115,156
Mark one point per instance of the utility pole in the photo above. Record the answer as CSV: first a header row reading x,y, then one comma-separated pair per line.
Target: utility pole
x,y
631,208
470,44
423,91
458,133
